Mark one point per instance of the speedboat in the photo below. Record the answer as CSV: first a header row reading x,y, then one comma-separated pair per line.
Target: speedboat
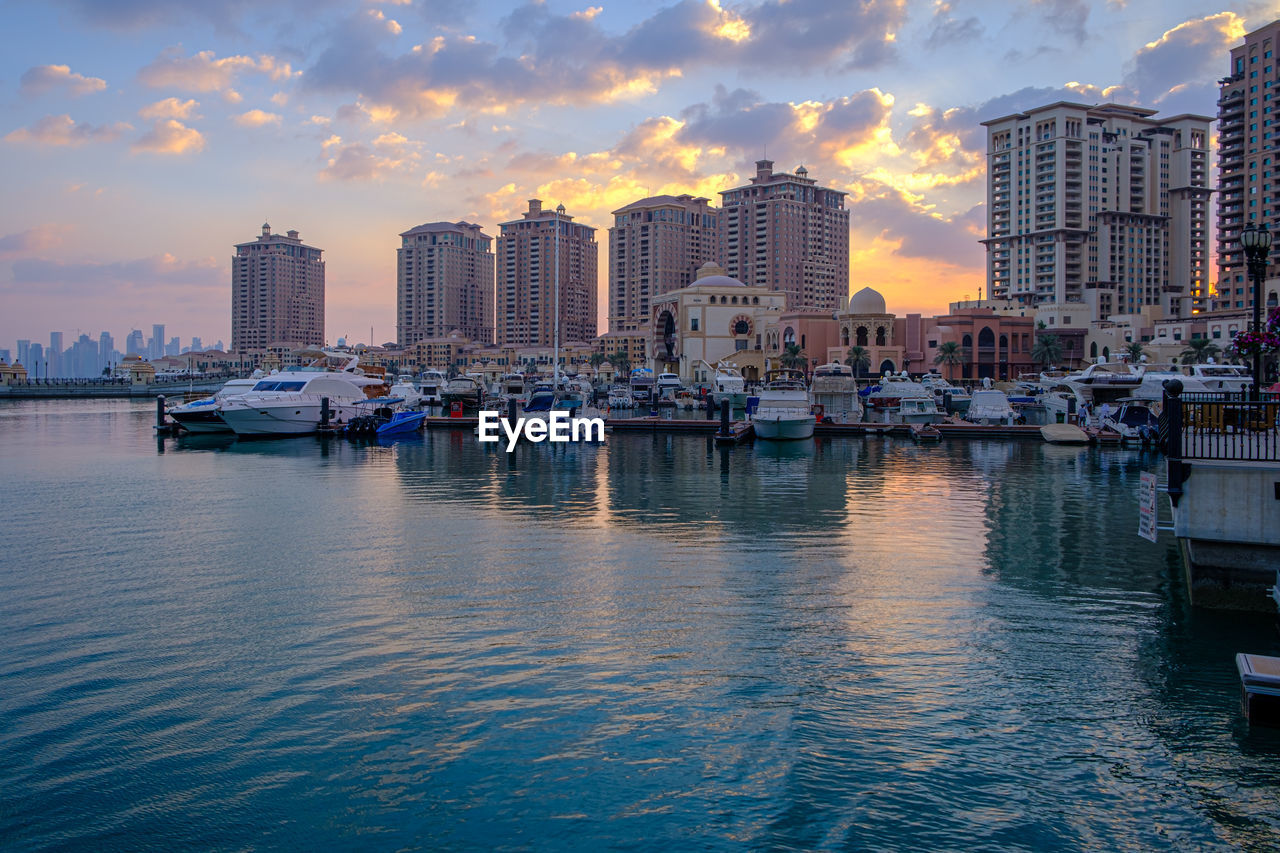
x,y
292,402
1134,421
466,390
989,406
835,394
784,410
620,398
202,415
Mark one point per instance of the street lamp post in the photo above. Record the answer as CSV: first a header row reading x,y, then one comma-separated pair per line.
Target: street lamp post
x,y
1256,242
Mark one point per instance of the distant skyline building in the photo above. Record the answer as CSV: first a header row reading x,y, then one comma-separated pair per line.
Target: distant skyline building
x,y
155,346
277,293
54,354
657,245
444,282
38,368
526,286
1103,205
1248,161
24,352
787,233
133,344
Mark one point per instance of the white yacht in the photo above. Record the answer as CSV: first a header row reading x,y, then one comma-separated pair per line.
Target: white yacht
x,y
405,389
1222,378
667,385
990,406
949,398
290,402
835,392
642,384
431,386
898,400
784,411
727,383
202,415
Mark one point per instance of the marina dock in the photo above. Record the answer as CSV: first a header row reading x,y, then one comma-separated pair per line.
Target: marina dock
x,y
741,429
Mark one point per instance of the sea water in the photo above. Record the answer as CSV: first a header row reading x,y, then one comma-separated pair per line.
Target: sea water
x,y
834,644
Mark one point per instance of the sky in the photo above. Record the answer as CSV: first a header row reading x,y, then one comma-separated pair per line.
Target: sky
x,y
141,139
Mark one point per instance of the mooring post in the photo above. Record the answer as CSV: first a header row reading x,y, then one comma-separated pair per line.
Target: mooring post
x,y
724,416
511,410
324,413
1171,418
160,417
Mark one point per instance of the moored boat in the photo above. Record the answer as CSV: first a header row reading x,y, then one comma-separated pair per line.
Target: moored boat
x,y
784,411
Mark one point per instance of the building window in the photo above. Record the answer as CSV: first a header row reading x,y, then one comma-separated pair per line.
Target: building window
x,y
693,324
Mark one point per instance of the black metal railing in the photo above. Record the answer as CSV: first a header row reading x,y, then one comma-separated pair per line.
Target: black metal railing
x,y
1242,427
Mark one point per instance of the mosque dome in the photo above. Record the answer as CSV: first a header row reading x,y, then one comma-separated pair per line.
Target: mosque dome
x,y
867,301
713,273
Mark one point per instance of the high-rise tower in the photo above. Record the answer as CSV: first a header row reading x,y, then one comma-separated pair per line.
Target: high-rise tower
x,y
444,276
1248,159
1104,205
526,290
277,293
657,245
789,234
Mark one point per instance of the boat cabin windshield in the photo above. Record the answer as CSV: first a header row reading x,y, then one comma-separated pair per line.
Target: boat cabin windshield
x,y
271,385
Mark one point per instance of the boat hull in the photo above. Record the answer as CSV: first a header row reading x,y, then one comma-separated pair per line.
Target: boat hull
x,y
206,421
784,428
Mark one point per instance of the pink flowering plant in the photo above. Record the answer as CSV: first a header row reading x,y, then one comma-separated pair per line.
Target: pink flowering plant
x,y
1249,343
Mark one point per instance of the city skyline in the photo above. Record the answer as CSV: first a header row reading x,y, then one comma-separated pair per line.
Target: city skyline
x,y
146,139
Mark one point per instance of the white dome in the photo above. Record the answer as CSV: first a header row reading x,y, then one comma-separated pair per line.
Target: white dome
x,y
714,274
867,301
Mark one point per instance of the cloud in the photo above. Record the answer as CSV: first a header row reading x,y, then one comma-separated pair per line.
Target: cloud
x,y
169,108
63,130
1189,52
389,154
159,273
948,32
1065,17
134,14
572,59
43,78
204,72
916,230
36,239
256,118
170,136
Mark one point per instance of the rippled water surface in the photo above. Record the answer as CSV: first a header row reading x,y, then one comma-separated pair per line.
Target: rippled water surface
x,y
838,644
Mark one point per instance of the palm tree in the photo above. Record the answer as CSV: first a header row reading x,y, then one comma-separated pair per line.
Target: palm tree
x,y
1199,351
950,353
1046,350
1134,351
620,361
859,358
595,360
793,358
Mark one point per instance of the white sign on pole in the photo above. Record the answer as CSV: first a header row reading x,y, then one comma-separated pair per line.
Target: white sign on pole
x,y
1147,506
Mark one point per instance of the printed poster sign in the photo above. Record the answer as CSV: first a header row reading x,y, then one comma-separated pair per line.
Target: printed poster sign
x,y
1147,506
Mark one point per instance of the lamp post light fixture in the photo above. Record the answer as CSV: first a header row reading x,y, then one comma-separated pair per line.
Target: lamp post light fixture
x,y
1256,242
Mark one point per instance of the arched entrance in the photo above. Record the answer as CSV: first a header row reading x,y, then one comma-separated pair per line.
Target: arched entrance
x,y
886,366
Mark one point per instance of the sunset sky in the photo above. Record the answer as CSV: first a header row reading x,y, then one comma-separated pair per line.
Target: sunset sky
x,y
141,139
